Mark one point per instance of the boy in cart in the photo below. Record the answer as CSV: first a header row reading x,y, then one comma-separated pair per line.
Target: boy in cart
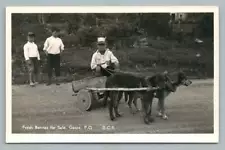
x,y
103,61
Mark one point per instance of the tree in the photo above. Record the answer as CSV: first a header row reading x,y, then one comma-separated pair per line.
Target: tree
x,y
41,19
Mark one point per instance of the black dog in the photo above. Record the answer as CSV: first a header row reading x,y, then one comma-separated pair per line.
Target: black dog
x,y
131,97
126,80
161,94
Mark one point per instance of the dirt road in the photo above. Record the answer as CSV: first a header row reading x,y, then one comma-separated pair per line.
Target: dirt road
x,y
52,109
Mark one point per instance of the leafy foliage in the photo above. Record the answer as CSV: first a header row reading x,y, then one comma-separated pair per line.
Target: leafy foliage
x,y
126,33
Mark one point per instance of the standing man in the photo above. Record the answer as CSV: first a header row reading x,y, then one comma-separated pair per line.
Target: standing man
x,y
32,57
103,61
53,47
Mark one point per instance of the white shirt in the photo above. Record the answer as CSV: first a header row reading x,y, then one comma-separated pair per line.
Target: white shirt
x,y
53,45
31,50
98,58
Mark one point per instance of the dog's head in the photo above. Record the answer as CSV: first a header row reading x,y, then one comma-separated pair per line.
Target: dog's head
x,y
182,79
162,81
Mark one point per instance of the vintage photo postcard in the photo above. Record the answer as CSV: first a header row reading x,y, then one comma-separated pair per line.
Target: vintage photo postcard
x,y
112,74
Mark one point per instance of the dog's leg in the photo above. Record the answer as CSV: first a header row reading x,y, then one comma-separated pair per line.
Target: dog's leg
x,y
164,115
144,109
126,96
147,107
130,101
161,104
159,111
149,114
110,106
105,99
136,96
146,120
116,105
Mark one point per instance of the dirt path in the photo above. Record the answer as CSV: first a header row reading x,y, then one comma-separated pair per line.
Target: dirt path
x,y
52,109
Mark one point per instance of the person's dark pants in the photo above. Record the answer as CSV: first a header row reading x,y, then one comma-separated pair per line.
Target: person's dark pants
x,y
53,62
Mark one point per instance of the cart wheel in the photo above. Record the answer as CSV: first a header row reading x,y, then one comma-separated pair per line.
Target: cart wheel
x,y
84,100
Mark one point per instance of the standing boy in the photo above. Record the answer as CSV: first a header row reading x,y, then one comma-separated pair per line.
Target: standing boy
x,y
32,58
53,47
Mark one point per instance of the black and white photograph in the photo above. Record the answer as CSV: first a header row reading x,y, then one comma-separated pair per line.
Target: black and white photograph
x,y
134,74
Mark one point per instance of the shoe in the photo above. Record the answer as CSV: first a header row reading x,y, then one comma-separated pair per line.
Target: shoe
x,y
35,83
57,81
32,84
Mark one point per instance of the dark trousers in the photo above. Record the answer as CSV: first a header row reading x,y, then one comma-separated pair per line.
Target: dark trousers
x,y
53,62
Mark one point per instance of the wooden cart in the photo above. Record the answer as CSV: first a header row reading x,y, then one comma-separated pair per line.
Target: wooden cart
x,y
90,91
86,98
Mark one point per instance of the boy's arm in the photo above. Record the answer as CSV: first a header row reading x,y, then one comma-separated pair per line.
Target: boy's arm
x,y
26,52
113,58
46,44
93,62
38,57
61,45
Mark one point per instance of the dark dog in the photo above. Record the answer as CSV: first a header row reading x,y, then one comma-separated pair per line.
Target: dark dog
x,y
125,80
161,94
154,81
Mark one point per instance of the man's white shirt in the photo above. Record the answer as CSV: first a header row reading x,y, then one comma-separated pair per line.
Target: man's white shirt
x,y
31,50
98,58
53,45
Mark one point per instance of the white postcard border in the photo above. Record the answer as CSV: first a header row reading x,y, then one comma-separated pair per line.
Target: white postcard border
x,y
110,138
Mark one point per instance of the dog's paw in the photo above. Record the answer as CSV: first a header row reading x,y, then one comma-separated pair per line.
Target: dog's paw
x,y
133,112
146,120
138,110
159,114
119,115
112,118
165,117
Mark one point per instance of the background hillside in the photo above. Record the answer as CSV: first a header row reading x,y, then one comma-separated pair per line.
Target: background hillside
x,y
142,42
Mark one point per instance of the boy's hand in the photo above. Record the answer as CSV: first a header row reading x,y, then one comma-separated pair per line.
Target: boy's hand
x,y
107,63
46,53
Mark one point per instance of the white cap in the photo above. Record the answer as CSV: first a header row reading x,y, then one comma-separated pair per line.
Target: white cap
x,y
101,40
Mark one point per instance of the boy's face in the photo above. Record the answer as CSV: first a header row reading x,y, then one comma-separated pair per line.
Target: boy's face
x,y
55,33
101,47
30,38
